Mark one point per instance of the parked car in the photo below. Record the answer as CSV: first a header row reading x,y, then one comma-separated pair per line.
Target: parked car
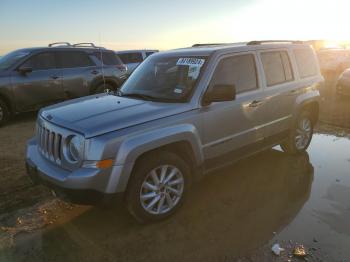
x,y
181,115
343,84
133,58
34,77
333,60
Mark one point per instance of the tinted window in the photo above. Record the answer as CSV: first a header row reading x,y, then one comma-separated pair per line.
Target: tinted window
x,y
306,62
129,58
239,70
108,58
11,58
149,53
41,61
277,67
70,59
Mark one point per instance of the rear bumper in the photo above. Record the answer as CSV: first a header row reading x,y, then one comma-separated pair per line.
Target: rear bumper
x,y
84,185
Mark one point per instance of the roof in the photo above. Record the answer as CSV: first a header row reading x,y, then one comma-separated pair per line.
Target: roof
x,y
208,49
61,48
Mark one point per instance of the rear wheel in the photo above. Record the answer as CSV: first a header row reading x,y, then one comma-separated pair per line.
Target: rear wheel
x,y
157,187
4,113
104,88
300,136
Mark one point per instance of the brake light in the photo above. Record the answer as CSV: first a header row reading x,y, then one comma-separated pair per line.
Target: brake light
x,y
122,67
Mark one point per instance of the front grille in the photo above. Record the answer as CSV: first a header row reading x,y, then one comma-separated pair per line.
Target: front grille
x,y
50,144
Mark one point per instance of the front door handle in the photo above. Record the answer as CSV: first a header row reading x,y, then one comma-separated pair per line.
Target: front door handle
x,y
54,77
94,72
255,103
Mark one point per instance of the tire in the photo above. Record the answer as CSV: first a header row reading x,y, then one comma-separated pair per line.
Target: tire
x,y
159,198
300,136
4,113
102,88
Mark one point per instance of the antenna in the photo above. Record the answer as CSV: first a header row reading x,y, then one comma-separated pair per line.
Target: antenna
x,y
102,69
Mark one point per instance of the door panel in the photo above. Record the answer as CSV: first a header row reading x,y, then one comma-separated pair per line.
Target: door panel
x,y
75,81
232,125
40,87
229,126
280,91
78,70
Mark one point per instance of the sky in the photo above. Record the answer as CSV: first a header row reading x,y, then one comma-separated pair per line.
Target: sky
x,y
162,24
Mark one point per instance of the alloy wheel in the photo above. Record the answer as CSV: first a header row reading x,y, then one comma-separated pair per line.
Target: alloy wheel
x,y
162,189
303,133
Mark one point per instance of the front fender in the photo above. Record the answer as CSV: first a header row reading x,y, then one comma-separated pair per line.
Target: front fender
x,y
132,148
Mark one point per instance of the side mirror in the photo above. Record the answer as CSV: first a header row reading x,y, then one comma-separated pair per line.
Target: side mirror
x,y
24,70
220,93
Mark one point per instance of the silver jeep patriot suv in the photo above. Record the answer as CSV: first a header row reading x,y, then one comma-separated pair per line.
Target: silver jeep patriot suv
x,y
182,114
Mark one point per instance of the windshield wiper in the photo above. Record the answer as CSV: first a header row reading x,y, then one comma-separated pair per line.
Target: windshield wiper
x,y
138,95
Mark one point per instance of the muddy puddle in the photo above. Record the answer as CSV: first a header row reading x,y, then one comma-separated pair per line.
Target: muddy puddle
x,y
237,213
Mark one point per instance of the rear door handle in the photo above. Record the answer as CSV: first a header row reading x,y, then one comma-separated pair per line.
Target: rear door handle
x,y
54,77
94,72
255,103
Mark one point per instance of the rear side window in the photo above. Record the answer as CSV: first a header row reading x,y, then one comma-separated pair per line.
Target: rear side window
x,y
277,67
238,70
42,61
306,62
71,59
108,58
129,58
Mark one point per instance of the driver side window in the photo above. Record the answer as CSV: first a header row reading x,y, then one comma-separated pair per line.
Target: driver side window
x,y
42,61
238,70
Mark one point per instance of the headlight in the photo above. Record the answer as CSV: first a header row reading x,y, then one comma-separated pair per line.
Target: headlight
x,y
75,147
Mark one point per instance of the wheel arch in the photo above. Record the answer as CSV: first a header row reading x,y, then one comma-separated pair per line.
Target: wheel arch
x,y
308,101
312,107
185,144
108,80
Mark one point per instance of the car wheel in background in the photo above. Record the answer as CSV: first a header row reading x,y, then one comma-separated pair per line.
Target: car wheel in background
x,y
300,136
104,88
157,187
4,113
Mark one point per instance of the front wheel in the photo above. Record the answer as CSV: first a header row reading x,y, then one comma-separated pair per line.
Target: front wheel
x,y
157,187
300,136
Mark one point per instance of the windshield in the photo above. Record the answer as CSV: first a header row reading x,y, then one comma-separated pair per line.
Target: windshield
x,y
168,79
12,58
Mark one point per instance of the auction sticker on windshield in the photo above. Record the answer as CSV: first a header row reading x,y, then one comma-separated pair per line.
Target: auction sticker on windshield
x,y
190,61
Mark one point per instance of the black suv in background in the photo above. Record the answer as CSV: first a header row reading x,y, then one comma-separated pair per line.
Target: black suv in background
x,y
35,77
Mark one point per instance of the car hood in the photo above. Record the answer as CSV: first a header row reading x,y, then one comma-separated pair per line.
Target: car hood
x,y
97,115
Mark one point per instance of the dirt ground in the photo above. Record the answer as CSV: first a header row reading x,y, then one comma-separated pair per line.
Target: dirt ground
x,y
231,216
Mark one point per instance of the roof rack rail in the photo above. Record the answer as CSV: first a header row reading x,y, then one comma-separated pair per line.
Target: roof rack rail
x,y
60,43
274,41
211,44
85,45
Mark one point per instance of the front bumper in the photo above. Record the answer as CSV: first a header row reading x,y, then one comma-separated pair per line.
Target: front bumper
x,y
84,185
